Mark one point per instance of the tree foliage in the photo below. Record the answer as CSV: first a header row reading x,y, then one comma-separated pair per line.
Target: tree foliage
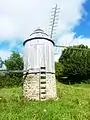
x,y
76,63
15,62
58,70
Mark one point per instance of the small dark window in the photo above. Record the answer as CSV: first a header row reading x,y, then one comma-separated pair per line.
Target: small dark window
x,y
44,82
43,87
43,92
43,72
42,67
43,77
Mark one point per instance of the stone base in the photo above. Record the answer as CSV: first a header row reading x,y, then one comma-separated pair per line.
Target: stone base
x,y
35,88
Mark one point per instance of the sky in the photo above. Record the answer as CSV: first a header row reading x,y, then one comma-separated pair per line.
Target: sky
x,y
19,18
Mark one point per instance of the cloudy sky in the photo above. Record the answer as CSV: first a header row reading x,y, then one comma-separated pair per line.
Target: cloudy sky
x,y
18,18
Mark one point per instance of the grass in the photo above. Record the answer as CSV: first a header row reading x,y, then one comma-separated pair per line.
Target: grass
x,y
73,104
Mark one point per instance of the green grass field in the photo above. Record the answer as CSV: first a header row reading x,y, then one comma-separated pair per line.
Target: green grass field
x,y
73,104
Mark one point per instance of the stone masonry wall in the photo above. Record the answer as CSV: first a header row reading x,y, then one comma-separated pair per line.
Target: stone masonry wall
x,y
51,86
32,85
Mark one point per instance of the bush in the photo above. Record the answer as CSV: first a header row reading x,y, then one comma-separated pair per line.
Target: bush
x,y
7,81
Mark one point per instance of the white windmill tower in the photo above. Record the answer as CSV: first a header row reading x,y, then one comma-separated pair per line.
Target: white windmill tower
x,y
40,83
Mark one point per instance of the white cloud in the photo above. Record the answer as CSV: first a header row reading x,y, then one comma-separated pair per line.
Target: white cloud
x,y
21,17
7,28
69,39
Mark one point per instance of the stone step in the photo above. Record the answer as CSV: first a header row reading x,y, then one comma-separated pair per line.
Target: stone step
x,y
43,91
42,70
42,86
42,74
43,80
43,96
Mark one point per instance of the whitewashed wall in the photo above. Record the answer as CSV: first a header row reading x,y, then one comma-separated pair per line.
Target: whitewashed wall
x,y
39,53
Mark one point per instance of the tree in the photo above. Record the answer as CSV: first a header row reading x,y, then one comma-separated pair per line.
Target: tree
x,y
76,63
58,70
15,62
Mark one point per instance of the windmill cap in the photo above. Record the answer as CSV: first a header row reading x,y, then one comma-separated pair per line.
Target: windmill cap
x,y
37,31
39,34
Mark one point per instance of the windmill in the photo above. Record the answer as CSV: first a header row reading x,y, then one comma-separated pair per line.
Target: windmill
x,y
39,70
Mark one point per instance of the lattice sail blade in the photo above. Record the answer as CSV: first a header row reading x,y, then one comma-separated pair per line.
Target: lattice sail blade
x,y
54,20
